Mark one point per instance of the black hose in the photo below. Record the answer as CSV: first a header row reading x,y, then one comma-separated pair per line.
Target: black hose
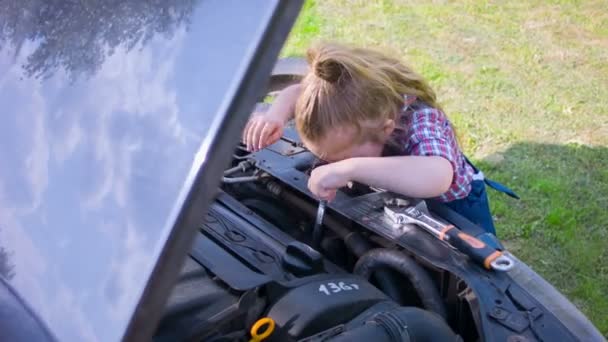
x,y
401,324
419,278
358,245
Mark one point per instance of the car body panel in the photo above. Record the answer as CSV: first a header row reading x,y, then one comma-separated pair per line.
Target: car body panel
x,y
111,113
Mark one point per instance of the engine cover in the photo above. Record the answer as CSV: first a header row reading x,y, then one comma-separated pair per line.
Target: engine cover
x,y
323,302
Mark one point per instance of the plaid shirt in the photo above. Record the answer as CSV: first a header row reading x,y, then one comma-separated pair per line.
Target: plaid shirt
x,y
426,131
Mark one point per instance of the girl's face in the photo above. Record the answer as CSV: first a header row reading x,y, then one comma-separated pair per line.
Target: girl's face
x,y
341,144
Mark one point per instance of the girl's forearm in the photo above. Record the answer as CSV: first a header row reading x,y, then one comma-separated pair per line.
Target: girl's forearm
x,y
413,176
283,107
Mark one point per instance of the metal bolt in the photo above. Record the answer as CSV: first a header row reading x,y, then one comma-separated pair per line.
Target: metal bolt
x,y
499,313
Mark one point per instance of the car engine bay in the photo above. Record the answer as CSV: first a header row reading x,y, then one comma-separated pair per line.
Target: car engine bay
x,y
261,270
364,278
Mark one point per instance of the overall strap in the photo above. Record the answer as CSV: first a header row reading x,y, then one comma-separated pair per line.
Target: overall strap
x,y
492,184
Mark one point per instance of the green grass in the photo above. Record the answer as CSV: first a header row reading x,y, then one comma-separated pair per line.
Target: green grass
x,y
526,84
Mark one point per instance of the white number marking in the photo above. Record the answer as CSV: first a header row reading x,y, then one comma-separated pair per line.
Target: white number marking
x,y
331,288
323,289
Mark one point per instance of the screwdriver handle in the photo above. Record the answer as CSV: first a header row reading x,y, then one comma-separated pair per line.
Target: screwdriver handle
x,y
470,245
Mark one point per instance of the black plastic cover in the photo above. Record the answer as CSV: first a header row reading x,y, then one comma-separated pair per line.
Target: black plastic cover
x,y
323,303
302,260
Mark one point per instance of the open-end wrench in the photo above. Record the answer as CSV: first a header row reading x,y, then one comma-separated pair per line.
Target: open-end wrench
x,y
317,233
477,250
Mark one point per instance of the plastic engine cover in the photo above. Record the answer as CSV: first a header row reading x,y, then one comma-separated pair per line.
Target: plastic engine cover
x,y
323,303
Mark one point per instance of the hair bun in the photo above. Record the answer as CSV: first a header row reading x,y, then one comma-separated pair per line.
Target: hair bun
x,y
329,70
324,67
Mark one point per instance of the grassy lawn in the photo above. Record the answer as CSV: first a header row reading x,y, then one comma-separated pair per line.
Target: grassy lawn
x,y
526,84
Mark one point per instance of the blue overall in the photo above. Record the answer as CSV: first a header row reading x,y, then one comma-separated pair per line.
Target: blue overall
x,y
475,206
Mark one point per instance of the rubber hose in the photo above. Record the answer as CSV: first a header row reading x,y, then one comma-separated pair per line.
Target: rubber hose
x,y
358,245
419,278
401,324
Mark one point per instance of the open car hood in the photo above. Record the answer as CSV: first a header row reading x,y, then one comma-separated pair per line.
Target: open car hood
x,y
118,120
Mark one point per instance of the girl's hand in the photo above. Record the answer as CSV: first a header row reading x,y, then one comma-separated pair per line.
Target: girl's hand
x,y
265,129
262,130
325,180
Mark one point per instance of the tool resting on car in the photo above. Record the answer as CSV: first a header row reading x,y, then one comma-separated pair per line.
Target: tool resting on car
x,y
400,211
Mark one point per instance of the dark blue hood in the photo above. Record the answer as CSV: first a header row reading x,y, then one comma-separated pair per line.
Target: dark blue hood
x,y
111,111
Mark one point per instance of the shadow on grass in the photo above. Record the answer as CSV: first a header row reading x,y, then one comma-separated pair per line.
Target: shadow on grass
x,y
560,226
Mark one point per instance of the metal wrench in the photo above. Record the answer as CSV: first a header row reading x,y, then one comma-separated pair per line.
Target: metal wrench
x,y
317,233
476,249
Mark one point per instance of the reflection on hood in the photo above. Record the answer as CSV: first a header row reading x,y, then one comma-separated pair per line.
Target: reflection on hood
x,y
79,35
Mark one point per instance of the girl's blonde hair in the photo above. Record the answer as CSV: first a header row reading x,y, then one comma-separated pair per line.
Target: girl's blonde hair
x,y
350,86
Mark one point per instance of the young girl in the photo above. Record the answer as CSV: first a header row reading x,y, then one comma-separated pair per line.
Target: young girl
x,y
376,122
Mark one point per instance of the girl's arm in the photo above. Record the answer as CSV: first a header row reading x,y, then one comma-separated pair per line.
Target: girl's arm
x,y
413,176
284,105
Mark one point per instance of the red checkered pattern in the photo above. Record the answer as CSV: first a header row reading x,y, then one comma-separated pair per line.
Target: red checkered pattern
x,y
426,131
